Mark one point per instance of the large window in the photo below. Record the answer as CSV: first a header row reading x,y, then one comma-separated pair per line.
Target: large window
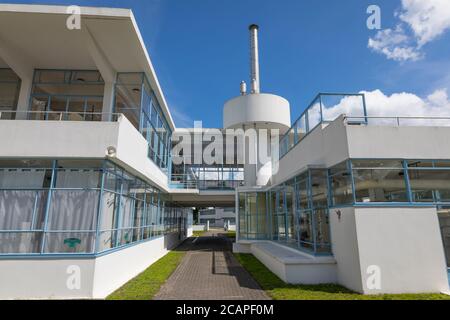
x,y
295,213
429,180
390,181
341,184
136,100
75,95
379,181
9,93
311,190
253,223
79,207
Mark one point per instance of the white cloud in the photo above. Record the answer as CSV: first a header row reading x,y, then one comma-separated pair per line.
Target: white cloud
x,y
427,18
402,104
421,21
395,45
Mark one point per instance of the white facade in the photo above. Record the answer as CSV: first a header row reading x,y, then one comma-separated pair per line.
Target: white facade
x,y
383,232
401,242
218,217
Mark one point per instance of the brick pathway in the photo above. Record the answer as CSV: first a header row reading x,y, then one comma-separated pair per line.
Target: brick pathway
x,y
209,271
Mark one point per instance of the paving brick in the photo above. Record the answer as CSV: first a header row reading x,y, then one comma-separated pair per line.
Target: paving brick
x,y
209,271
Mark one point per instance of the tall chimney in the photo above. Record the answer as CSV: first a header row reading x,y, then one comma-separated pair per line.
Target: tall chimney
x,y
254,59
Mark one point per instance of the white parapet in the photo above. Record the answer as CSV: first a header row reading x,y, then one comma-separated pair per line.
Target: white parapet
x,y
23,139
290,265
79,278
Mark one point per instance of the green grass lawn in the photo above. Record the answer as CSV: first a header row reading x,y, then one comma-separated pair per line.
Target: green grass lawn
x,y
148,283
231,234
198,233
279,290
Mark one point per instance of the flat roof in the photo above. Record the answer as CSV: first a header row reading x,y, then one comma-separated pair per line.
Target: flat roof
x,y
38,34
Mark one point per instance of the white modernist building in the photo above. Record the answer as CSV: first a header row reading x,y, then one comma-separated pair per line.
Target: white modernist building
x,y
90,194
217,217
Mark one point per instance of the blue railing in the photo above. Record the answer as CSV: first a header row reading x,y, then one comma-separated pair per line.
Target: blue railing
x,y
325,108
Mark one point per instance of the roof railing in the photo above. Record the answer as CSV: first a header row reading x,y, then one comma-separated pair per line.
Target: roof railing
x,y
421,121
59,116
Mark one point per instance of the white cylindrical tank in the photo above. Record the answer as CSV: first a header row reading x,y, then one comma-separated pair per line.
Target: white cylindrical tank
x,y
265,110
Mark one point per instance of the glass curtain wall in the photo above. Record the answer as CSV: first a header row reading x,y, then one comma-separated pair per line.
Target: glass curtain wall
x,y
9,93
136,100
298,210
82,207
74,95
253,216
381,181
295,213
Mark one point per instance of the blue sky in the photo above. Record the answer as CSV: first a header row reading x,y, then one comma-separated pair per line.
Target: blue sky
x,y
200,51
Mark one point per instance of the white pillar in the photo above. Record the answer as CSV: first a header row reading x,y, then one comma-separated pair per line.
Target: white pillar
x,y
23,102
22,66
250,169
108,101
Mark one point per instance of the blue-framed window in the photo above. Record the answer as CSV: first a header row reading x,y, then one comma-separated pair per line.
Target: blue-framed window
x,y
295,213
75,95
253,217
137,101
79,207
390,181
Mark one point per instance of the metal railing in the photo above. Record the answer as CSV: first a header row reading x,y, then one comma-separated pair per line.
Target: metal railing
x,y
399,121
323,109
183,181
59,116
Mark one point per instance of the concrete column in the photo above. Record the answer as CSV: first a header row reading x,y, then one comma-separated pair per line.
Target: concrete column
x,y
108,101
250,169
23,67
23,103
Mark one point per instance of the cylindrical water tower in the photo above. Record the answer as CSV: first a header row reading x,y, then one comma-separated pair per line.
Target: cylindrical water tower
x,y
258,111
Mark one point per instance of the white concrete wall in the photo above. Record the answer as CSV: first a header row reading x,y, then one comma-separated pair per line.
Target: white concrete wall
x,y
132,152
80,140
199,227
114,270
324,146
398,142
405,244
345,248
47,278
44,279
291,265
56,139
336,142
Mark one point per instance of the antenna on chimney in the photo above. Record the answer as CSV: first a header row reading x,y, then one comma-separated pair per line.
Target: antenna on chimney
x,y
243,88
254,59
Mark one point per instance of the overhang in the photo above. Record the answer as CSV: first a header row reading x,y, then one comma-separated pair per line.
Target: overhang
x,y
39,35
